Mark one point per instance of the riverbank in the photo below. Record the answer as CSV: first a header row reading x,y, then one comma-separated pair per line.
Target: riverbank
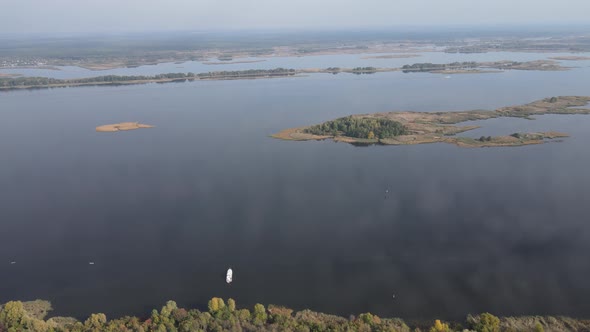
x,y
222,316
441,127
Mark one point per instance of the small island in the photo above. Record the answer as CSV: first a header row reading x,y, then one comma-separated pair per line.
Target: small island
x,y
123,126
404,128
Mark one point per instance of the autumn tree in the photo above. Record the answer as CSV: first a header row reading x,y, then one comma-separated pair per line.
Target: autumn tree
x,y
440,327
95,322
216,304
12,314
231,305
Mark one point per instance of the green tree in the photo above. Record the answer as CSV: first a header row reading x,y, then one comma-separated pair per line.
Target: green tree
x,y
539,327
260,315
244,315
487,323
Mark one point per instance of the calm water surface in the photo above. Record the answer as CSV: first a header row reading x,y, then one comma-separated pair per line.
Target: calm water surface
x,y
164,212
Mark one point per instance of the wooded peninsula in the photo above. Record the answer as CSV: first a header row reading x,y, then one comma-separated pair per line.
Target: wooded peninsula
x,y
403,128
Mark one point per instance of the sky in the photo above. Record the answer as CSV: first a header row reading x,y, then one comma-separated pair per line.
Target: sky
x,y
58,16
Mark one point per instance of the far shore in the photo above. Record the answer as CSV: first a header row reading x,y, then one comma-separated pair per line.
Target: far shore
x,y
14,83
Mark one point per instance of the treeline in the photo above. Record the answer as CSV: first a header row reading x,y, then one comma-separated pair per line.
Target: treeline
x,y
358,127
47,81
221,316
364,69
16,82
248,73
438,66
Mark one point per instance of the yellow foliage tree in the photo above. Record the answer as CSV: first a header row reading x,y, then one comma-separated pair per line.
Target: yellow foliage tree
x,y
216,304
371,135
440,327
231,305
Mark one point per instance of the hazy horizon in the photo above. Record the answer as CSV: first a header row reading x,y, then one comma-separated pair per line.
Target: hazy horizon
x,y
110,16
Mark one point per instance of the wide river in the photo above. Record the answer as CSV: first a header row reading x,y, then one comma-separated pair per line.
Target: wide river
x,y
163,212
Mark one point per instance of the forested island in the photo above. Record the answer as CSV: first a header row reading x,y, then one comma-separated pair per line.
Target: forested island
x,y
224,315
402,128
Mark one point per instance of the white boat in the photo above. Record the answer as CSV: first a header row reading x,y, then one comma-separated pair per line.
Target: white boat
x,y
229,276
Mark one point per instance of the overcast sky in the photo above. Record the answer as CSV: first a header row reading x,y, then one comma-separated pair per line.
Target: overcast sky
x,y
154,15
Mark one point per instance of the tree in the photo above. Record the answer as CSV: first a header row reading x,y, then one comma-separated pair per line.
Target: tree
x,y
539,327
487,322
216,304
371,135
260,315
243,315
167,309
440,327
95,322
232,305
12,314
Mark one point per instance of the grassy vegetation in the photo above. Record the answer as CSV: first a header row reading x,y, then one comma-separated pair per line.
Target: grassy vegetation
x,y
224,315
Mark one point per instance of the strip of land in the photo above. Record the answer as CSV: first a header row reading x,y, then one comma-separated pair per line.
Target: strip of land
x,y
123,126
570,57
230,62
11,83
406,128
392,56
